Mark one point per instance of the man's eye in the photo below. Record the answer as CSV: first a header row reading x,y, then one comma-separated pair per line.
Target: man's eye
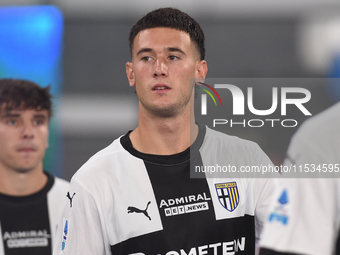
x,y
38,122
173,57
145,59
11,122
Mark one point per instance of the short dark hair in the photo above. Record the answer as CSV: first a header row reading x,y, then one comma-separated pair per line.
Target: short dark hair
x,y
24,94
170,18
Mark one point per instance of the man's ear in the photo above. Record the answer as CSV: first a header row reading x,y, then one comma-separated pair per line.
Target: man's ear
x,y
201,71
130,74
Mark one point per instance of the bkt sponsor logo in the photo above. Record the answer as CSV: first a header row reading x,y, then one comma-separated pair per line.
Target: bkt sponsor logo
x,y
239,105
224,248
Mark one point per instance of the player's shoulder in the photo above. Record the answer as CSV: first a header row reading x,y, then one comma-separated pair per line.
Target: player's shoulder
x,y
59,189
55,183
114,148
237,150
61,183
322,123
319,134
233,150
230,141
101,161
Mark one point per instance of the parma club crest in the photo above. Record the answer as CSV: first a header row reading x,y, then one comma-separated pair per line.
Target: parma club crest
x,y
228,195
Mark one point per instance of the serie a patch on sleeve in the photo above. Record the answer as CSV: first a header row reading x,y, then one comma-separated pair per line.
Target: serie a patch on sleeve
x,y
280,213
66,227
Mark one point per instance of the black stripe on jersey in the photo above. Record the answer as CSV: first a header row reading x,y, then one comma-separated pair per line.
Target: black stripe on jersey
x,y
186,233
25,223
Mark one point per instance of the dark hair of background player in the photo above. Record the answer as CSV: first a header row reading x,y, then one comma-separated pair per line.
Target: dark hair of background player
x,y
24,95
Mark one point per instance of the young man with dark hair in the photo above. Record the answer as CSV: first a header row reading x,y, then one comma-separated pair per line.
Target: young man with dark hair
x,y
29,197
136,196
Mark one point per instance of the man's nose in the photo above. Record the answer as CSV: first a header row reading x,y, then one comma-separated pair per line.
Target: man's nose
x,y
161,69
27,131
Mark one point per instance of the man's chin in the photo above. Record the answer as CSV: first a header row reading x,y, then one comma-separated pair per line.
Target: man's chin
x,y
166,112
24,170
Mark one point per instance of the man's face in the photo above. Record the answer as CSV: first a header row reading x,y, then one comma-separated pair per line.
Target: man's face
x,y
23,139
164,61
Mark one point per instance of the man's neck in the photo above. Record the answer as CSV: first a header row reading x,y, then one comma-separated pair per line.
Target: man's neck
x,y
164,136
14,183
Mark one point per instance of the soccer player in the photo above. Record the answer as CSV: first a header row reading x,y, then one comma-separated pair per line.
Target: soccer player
x,y
136,196
305,215
30,199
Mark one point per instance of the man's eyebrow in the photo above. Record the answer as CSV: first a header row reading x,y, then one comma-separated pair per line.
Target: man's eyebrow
x,y
170,49
174,49
40,116
144,50
10,115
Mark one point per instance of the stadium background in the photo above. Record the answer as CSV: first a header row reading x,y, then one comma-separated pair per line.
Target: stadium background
x,y
244,39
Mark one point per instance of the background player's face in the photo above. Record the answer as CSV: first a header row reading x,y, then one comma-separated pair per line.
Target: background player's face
x,y
163,62
23,139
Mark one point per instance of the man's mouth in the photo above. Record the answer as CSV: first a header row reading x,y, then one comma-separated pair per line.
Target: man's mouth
x,y
26,150
160,87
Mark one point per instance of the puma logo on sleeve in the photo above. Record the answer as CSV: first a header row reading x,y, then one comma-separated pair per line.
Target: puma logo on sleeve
x,y
69,197
132,209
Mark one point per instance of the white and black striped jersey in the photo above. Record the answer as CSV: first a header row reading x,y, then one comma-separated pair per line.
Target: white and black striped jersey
x,y
28,224
304,216
123,201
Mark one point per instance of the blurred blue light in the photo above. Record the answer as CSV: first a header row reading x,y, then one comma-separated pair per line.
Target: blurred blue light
x,y
31,44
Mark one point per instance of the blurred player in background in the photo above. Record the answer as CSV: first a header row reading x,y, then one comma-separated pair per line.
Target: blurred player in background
x,y
30,198
305,216
136,196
